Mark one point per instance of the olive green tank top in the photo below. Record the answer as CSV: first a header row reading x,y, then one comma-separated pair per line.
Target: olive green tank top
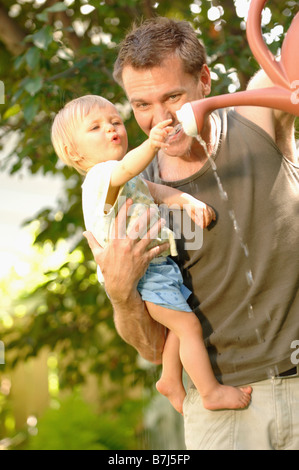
x,y
245,276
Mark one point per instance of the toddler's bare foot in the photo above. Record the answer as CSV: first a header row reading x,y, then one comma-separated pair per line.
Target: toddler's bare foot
x,y
227,397
174,391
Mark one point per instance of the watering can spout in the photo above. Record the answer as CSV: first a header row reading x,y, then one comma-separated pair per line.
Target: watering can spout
x,y
187,118
192,115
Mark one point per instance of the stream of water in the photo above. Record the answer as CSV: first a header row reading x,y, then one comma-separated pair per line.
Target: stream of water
x,y
248,274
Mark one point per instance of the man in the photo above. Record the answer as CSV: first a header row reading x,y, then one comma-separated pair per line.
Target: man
x,y
249,324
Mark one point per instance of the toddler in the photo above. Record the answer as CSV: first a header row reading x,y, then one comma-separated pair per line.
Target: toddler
x,y
89,135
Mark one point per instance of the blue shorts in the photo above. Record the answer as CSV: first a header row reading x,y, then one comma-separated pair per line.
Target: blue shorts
x,y
163,285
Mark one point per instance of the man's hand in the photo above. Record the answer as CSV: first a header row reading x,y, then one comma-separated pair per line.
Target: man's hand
x,y
125,259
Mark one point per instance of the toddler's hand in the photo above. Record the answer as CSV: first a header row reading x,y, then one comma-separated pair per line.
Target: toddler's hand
x,y
200,213
159,133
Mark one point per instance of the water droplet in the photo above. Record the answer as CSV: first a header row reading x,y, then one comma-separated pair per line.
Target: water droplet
x,y
250,311
213,164
258,335
272,372
175,130
249,277
245,249
222,192
234,220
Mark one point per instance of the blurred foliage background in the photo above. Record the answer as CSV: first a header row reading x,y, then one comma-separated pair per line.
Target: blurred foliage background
x,y
69,381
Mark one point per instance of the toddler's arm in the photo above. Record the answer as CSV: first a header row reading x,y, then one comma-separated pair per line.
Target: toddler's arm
x,y
135,161
200,213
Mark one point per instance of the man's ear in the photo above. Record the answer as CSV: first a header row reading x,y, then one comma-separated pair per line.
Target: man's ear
x,y
204,82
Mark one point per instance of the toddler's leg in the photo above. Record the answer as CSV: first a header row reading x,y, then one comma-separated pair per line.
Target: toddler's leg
x,y
196,361
170,383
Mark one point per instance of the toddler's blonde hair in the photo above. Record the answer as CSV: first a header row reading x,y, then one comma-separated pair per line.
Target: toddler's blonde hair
x,y
65,125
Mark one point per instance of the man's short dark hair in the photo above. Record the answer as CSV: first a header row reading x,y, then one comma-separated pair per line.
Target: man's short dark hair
x,y
149,44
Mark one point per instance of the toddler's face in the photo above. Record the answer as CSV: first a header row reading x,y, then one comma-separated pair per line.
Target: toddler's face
x,y
101,137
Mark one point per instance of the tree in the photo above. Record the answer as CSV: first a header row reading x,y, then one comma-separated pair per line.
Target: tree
x,y
51,52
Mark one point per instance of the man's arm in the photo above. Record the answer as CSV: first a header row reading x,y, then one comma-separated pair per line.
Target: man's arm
x,y
137,328
123,262
278,124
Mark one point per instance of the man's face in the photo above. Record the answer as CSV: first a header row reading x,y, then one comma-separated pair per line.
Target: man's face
x,y
157,93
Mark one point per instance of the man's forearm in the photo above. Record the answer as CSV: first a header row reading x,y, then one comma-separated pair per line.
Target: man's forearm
x,y
137,328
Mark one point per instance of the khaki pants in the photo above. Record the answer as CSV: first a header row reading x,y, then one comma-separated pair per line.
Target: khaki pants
x,y
271,421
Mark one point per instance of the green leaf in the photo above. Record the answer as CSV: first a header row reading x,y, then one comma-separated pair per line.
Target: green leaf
x,y
18,62
60,6
30,110
32,57
12,111
33,85
42,16
43,38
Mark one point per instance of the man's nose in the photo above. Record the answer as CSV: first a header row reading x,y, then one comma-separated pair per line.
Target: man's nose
x,y
161,113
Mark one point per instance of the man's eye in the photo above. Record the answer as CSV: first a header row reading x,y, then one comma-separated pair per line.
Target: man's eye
x,y
142,106
174,97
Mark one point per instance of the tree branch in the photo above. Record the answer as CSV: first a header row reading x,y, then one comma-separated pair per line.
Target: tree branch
x,y
148,8
11,34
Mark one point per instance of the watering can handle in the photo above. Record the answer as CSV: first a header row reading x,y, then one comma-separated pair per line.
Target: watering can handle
x,y
263,55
